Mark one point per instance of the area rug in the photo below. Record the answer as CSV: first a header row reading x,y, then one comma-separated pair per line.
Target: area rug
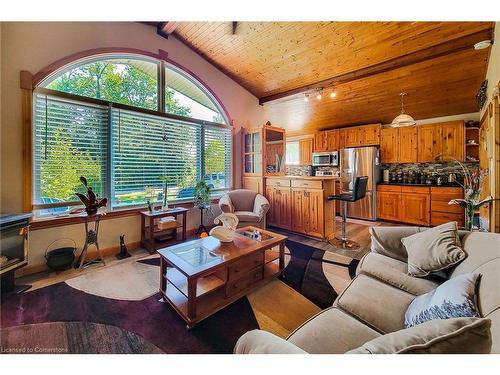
x,y
118,309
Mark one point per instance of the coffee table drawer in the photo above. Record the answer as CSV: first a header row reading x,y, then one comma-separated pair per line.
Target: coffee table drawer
x,y
244,282
241,267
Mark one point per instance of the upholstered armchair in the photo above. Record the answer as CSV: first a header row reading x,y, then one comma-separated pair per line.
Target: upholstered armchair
x,y
250,207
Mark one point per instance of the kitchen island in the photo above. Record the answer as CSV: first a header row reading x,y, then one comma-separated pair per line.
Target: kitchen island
x,y
300,204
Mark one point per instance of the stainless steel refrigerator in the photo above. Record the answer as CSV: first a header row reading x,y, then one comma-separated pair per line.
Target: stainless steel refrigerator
x,y
360,161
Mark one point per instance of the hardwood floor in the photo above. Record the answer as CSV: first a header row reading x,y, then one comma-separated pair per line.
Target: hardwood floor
x,y
357,230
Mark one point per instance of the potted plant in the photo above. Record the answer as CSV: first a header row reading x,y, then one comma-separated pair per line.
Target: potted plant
x,y
202,195
91,201
472,185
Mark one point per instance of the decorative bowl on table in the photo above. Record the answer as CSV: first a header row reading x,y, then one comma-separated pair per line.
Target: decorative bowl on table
x,y
226,232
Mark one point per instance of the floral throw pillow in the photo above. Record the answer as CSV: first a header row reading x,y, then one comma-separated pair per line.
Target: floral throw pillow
x,y
454,298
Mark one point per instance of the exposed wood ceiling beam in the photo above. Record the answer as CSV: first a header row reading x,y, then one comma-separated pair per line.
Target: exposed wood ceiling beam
x,y
166,28
443,49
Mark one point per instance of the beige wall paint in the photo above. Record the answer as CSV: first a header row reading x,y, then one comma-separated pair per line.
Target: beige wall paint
x,y
32,46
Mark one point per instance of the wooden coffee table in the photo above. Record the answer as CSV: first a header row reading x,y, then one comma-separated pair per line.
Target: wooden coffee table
x,y
200,277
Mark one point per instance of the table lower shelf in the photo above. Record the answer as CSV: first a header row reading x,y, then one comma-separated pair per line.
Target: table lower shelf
x,y
209,303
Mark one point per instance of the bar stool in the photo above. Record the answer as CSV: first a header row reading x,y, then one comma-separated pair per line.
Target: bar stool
x,y
358,192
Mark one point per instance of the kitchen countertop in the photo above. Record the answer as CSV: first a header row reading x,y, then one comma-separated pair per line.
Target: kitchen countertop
x,y
416,184
307,177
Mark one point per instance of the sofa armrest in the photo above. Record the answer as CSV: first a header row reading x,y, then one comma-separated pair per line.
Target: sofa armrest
x,y
225,204
262,342
387,241
261,206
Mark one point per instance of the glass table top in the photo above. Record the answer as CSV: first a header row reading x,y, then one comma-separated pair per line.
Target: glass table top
x,y
196,255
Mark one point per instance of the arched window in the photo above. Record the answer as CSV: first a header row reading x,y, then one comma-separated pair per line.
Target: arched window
x,y
126,123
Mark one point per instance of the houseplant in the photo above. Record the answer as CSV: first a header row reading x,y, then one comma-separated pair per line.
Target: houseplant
x,y
91,201
472,185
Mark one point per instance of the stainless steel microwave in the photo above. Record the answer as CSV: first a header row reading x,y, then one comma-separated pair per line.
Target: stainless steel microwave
x,y
326,159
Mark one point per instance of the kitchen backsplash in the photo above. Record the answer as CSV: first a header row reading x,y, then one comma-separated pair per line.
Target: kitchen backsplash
x,y
306,170
433,170
298,170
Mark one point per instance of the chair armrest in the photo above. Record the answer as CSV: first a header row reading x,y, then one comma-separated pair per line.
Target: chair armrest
x,y
225,204
261,205
387,241
262,342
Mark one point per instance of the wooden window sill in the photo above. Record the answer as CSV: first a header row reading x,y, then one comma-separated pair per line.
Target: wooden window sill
x,y
53,221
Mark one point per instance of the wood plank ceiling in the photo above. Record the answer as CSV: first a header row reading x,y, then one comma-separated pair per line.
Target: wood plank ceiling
x,y
369,63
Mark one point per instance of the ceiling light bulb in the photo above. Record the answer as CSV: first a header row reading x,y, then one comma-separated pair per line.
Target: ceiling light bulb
x,y
319,96
306,97
333,94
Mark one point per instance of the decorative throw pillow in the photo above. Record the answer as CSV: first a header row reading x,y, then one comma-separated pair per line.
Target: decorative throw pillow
x,y
451,336
433,250
453,299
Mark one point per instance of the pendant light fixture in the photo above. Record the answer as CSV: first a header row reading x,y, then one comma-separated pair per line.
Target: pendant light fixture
x,y
403,120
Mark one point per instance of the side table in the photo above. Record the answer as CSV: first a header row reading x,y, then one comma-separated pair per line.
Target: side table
x,y
152,237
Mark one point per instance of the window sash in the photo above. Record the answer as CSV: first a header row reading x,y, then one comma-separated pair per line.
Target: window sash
x,y
109,154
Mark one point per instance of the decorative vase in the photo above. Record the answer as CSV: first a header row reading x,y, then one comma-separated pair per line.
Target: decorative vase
x,y
225,233
164,206
469,218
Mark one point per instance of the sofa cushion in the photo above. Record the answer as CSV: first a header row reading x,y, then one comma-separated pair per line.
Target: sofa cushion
x,y
433,250
387,240
451,336
242,199
454,298
262,342
394,272
247,216
331,332
377,304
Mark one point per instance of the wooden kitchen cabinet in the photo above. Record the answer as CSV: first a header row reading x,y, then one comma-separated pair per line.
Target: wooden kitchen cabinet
x,y
315,219
370,135
441,211
429,145
332,137
443,140
452,140
415,208
299,211
320,141
305,151
352,137
388,202
300,205
389,145
284,203
253,183
407,145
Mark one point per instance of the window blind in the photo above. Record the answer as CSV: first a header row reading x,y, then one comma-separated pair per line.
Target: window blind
x,y
147,148
217,156
70,140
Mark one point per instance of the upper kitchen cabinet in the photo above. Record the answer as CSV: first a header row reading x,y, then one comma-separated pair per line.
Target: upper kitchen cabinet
x,y
442,141
366,135
389,145
370,135
305,151
407,144
263,151
352,137
320,141
452,140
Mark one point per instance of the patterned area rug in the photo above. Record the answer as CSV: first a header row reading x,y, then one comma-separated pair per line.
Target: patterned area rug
x,y
117,309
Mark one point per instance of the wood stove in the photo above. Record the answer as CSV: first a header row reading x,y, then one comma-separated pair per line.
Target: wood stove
x,y
14,245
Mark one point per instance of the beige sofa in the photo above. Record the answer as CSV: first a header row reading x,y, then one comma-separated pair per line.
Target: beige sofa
x,y
375,302
249,206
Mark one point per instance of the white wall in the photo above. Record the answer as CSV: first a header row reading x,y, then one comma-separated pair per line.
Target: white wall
x,y
32,46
